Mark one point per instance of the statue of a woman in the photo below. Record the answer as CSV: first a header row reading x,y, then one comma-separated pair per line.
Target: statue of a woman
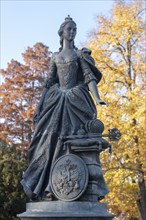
x,y
65,106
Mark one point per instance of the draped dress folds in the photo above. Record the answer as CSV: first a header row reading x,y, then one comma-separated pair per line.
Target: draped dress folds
x,y
66,107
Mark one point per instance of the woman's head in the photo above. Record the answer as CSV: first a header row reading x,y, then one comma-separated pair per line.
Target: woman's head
x,y
67,30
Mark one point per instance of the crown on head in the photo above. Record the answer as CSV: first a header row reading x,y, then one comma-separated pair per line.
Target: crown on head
x,y
68,18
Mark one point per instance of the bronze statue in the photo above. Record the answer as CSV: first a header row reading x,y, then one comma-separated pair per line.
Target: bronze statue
x,y
66,109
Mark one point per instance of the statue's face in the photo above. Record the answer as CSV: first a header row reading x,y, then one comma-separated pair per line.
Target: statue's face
x,y
69,31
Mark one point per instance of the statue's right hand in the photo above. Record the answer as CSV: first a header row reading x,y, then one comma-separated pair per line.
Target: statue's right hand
x,y
36,117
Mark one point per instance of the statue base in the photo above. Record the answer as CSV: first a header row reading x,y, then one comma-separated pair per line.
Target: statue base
x,y
57,210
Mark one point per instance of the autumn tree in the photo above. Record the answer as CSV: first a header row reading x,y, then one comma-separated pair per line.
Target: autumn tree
x,y
118,49
19,94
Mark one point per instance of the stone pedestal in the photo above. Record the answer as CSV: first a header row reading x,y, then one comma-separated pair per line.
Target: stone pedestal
x,y
77,183
58,210
97,187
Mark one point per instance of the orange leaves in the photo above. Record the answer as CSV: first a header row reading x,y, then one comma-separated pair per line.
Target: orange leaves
x,y
37,57
20,94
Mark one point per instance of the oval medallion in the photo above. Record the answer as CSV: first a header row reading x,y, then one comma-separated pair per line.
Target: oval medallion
x,y
69,177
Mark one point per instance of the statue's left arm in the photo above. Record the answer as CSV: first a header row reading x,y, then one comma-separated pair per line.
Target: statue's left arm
x,y
90,78
94,90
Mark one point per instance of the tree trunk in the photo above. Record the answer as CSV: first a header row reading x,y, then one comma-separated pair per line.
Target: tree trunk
x,y
142,200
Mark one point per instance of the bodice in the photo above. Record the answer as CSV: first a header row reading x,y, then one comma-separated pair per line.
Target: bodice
x,y
67,73
71,69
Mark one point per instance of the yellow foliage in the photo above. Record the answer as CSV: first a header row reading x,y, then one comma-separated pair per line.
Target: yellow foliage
x,y
117,47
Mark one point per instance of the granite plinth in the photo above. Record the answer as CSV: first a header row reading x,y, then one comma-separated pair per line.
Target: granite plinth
x,y
56,210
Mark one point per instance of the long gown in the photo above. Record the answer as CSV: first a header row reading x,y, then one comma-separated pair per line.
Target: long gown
x,y
66,107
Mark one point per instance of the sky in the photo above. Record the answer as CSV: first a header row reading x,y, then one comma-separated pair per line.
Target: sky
x,y
26,22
